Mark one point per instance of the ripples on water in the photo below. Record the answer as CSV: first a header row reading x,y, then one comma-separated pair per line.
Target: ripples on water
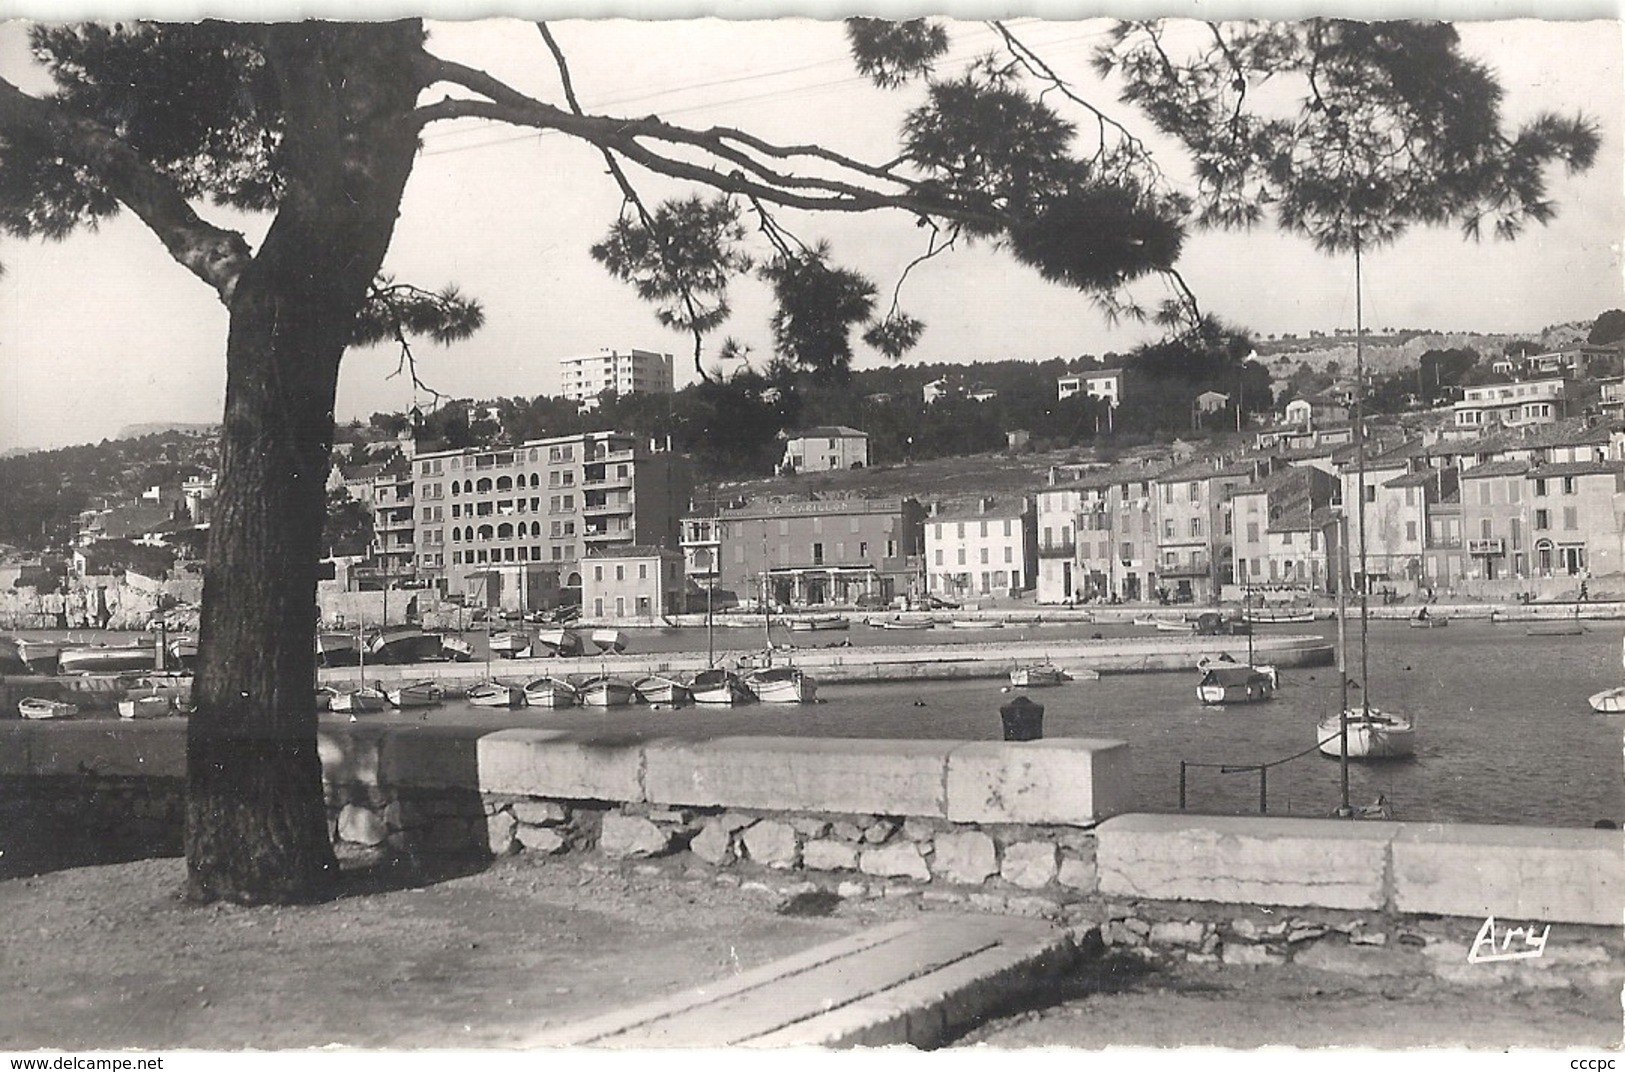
x,y
1503,728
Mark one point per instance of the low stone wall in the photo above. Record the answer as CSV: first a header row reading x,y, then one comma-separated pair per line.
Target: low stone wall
x,y
1028,827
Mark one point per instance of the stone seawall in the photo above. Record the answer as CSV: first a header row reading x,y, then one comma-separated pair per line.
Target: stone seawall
x,y
1027,827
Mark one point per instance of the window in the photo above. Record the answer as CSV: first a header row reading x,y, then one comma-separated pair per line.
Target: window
x,y
643,571
961,556
598,574
1568,485
1168,528
863,549
1514,491
1196,526
891,548
984,556
1484,493
1370,493
853,527
784,527
1571,518
1195,491
1286,539
1252,532
1009,553
1540,486
1007,526
643,606
818,554
939,556
1543,519
961,530
1128,552
1410,531
984,530
620,573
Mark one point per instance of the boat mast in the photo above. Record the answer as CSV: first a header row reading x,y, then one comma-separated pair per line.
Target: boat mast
x,y
1359,465
1344,811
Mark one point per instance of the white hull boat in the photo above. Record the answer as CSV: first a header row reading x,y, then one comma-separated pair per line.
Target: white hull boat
x,y
1373,734
607,692
151,706
456,649
782,684
1181,626
1609,701
1235,685
362,701
416,694
553,692
496,694
39,655
816,623
718,686
560,641
972,623
666,691
510,645
901,623
38,708
104,660
608,641
1033,677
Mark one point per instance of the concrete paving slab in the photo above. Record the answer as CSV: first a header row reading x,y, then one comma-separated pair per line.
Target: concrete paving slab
x,y
912,981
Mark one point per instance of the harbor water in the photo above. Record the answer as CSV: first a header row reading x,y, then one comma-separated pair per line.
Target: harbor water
x,y
1503,728
1504,731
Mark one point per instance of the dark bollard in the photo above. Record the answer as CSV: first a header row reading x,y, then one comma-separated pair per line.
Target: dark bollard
x,y
1023,720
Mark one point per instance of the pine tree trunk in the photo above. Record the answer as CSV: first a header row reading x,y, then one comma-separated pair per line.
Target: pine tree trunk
x,y
256,821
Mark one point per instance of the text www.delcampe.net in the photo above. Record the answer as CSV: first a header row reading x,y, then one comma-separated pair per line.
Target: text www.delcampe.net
x,y
87,1064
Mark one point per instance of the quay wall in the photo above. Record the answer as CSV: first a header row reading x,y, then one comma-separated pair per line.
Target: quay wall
x,y
899,663
1026,827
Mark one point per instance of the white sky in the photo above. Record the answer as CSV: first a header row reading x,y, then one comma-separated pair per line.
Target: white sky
x,y
103,330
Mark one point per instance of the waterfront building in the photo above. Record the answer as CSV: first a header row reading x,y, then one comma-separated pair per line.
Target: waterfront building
x,y
810,552
1056,509
1195,526
535,510
622,372
1103,383
1493,515
1574,529
394,526
1279,522
985,548
825,449
632,583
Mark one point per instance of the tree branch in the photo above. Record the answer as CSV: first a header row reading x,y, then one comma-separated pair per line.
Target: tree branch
x,y
213,254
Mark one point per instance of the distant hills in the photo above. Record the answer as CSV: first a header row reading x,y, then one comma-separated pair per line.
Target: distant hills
x,y
136,431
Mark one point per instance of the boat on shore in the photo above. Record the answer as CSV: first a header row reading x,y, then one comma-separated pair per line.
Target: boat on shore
x,y
456,649
40,656
151,705
1278,615
608,641
900,623
551,692
719,686
510,645
1236,684
338,649
102,659
560,642
1372,734
782,684
403,644
416,694
38,707
1165,625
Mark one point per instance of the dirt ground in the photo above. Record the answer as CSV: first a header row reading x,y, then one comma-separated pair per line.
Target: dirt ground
x,y
106,957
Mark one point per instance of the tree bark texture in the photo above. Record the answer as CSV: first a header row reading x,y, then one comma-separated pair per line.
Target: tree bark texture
x,y
256,822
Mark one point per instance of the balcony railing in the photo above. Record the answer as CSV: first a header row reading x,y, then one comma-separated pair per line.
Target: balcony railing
x,y
1058,549
1444,543
1185,569
1493,546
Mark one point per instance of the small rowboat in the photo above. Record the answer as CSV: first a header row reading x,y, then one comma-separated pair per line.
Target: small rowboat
x,y
1425,619
607,692
1609,701
719,686
1235,684
551,692
660,689
37,707
150,706
416,694
496,694
816,622
360,701
782,684
973,623
901,623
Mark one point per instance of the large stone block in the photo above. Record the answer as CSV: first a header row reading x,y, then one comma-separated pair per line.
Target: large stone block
x,y
561,764
1031,865
351,753
1520,875
155,749
363,826
630,836
1059,780
800,774
899,860
713,844
771,843
968,857
424,756
1326,863
826,854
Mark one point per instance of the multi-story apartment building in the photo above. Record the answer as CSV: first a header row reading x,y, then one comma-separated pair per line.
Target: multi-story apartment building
x,y
1104,383
632,583
820,551
1056,509
536,509
988,548
1574,528
1195,539
1097,537
1279,525
1493,513
1512,404
622,372
394,526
